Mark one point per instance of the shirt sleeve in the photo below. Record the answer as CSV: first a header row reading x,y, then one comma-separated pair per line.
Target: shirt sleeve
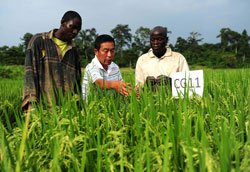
x,y
30,85
78,74
183,66
91,74
85,84
139,77
94,74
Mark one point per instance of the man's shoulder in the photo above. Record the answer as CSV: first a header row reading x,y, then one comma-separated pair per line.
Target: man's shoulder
x,y
35,39
143,57
90,66
177,55
114,65
38,38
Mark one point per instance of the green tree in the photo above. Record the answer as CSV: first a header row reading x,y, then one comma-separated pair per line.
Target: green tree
x,y
130,58
243,45
85,44
223,38
26,39
234,38
121,34
194,39
193,49
3,54
229,40
12,55
142,40
181,45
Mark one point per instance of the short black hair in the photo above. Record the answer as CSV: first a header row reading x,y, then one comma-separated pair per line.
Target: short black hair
x,y
101,39
163,29
69,15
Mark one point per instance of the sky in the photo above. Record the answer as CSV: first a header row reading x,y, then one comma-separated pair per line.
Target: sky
x,y
181,17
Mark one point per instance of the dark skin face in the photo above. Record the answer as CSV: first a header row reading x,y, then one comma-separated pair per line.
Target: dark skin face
x,y
158,41
69,30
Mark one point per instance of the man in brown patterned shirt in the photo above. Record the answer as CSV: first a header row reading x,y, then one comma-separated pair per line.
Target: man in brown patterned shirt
x,y
52,63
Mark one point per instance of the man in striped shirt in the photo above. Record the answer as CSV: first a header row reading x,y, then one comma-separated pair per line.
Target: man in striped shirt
x,y
102,71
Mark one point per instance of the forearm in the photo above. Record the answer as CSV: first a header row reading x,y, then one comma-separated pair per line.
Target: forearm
x,y
105,84
120,86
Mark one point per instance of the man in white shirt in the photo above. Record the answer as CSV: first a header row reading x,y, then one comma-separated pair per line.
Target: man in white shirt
x,y
159,62
102,71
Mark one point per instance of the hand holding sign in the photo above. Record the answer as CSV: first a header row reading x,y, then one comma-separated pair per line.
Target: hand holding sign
x,y
190,82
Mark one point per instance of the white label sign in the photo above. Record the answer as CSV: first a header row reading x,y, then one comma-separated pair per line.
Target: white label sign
x,y
190,83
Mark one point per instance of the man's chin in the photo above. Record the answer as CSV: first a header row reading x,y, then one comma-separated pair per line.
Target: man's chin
x,y
157,50
70,38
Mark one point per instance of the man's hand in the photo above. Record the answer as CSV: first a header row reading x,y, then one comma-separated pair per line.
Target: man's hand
x,y
121,87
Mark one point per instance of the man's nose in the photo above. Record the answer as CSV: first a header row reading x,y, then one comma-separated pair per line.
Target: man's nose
x,y
155,41
109,54
75,31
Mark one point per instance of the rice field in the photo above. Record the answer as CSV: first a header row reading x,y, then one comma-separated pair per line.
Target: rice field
x,y
112,133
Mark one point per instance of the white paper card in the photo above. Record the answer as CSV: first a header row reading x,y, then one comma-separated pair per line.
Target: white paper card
x,y
181,80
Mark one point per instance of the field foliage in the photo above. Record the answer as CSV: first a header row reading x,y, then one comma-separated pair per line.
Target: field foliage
x,y
112,133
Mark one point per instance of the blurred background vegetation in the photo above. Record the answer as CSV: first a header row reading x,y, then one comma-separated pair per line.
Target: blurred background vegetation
x,y
233,50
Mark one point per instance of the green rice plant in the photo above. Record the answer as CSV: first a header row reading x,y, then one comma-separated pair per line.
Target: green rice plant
x,y
110,132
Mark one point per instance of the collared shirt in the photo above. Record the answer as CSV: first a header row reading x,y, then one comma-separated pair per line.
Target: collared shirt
x,y
47,72
150,65
95,70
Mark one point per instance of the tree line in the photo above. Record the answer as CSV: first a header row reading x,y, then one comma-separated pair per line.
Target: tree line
x,y
233,50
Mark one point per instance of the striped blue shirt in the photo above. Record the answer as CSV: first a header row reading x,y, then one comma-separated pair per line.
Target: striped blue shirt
x,y
94,71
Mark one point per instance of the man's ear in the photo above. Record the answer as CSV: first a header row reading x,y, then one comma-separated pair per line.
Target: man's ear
x,y
96,52
166,40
